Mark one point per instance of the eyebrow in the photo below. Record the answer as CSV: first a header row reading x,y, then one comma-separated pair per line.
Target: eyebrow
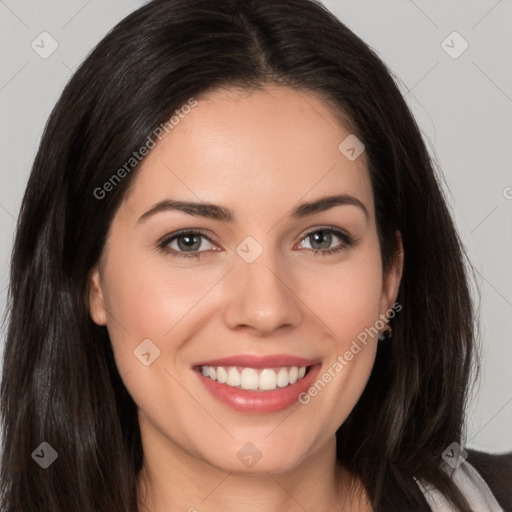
x,y
220,213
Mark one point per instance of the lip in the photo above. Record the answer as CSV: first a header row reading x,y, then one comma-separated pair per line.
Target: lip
x,y
259,361
258,402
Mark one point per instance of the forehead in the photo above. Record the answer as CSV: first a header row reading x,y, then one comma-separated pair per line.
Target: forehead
x,y
253,151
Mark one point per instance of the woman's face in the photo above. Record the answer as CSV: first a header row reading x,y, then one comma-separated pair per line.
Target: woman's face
x,y
270,278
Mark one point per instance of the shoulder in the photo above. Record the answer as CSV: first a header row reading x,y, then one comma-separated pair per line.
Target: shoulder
x,y
496,470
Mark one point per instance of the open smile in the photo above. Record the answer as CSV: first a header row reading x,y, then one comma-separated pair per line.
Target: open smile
x,y
255,384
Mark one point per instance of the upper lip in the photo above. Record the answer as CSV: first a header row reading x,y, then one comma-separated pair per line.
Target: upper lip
x,y
259,361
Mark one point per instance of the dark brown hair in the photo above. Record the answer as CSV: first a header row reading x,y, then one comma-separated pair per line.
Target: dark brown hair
x,y
60,383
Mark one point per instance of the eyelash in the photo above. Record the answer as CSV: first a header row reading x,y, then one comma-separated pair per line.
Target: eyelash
x,y
346,239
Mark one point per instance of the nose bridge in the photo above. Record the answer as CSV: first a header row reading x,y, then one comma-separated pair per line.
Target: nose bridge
x,y
261,297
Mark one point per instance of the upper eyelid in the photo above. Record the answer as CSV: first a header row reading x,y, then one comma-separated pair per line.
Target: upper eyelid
x,y
325,228
182,232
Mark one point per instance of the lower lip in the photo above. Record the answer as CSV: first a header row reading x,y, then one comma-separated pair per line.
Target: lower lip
x,y
259,402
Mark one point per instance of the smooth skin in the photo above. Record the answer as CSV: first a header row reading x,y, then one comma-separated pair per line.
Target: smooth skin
x,y
260,155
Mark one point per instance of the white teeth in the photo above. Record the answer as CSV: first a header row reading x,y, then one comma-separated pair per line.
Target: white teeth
x,y
233,377
282,378
249,379
222,375
265,379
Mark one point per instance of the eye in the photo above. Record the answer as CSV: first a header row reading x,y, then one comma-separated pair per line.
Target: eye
x,y
321,240
191,244
186,244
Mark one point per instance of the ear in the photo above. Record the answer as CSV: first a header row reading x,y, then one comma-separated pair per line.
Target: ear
x,y
393,276
97,308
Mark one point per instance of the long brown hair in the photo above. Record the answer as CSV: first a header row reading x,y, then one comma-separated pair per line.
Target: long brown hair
x,y
60,383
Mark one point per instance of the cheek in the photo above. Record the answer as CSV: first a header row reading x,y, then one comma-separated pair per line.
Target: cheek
x,y
148,296
350,299
350,306
148,299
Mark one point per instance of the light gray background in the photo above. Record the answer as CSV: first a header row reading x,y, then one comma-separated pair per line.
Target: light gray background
x,y
463,106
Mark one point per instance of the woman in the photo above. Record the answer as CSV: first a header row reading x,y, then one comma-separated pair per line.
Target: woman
x,y
235,282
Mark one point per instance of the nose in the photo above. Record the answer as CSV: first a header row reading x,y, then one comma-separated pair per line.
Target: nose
x,y
262,298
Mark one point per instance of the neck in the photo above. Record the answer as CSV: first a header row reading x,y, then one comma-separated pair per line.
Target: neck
x,y
173,479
